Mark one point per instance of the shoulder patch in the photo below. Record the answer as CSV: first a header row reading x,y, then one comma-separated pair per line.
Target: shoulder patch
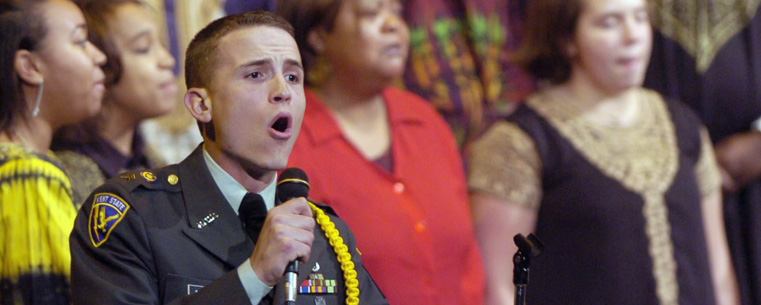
x,y
107,211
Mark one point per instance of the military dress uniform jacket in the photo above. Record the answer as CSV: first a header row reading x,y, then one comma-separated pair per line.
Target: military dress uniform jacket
x,y
170,237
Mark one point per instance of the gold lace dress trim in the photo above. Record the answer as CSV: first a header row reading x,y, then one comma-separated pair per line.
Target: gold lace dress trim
x,y
702,27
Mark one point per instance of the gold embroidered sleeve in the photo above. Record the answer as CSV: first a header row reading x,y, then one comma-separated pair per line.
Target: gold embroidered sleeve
x,y
505,163
706,170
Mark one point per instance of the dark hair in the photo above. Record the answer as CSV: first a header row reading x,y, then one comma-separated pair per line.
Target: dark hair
x,y
200,57
305,15
23,28
550,27
97,13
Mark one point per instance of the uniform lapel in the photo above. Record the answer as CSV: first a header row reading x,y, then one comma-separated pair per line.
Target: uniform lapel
x,y
212,223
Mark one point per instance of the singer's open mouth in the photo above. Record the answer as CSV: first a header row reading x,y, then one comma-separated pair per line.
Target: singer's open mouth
x,y
281,124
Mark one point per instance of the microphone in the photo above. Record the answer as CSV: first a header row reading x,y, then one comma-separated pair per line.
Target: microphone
x,y
292,183
528,248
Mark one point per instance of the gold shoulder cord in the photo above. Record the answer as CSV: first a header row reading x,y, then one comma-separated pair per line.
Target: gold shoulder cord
x,y
342,253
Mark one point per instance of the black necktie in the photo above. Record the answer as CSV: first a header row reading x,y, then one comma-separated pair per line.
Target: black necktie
x,y
252,212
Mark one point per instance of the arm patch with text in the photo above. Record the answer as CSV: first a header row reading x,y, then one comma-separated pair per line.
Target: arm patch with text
x,y
107,211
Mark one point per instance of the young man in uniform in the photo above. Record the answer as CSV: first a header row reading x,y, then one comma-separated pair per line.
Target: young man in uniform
x,y
172,235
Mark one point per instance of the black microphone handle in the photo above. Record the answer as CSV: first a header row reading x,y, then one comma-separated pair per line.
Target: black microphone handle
x,y
291,282
292,183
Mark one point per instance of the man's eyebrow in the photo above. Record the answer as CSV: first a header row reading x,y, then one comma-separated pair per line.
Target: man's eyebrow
x,y
293,62
259,62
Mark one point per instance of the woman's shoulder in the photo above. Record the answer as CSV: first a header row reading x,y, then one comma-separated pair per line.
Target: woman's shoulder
x,y
526,117
21,165
397,97
12,151
681,115
14,157
501,133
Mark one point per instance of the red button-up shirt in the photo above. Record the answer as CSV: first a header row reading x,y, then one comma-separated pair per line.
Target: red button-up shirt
x,y
412,226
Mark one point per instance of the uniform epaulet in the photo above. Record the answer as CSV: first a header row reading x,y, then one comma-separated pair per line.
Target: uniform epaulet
x,y
165,179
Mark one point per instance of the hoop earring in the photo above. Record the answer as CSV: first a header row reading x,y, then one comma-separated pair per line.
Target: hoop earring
x,y
38,99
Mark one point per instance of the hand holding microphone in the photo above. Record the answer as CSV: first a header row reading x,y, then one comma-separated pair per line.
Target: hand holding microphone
x,y
286,236
293,183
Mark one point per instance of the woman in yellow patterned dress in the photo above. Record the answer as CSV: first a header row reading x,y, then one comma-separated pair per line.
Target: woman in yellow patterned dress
x,y
49,76
619,184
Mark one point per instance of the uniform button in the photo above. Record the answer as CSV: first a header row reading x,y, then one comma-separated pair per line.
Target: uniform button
x,y
398,187
419,227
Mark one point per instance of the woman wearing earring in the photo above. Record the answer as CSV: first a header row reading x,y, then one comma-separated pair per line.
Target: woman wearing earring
x,y
382,157
619,184
139,83
50,76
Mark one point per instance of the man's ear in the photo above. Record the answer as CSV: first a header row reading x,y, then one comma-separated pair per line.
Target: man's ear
x,y
198,102
316,40
27,67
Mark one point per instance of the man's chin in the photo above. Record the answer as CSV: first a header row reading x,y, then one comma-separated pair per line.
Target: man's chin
x,y
264,168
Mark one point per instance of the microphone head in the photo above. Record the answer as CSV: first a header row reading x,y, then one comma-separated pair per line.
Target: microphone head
x,y
292,183
530,246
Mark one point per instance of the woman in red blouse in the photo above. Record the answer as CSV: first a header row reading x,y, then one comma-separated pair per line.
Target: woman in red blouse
x,y
382,157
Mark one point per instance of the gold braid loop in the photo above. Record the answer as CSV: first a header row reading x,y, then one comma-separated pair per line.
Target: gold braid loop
x,y
342,253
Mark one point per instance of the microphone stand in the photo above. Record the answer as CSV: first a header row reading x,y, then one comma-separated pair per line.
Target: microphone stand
x,y
528,248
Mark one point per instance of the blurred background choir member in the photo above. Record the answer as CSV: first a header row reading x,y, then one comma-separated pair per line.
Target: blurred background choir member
x,y
383,157
50,76
139,85
707,55
616,181
460,60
